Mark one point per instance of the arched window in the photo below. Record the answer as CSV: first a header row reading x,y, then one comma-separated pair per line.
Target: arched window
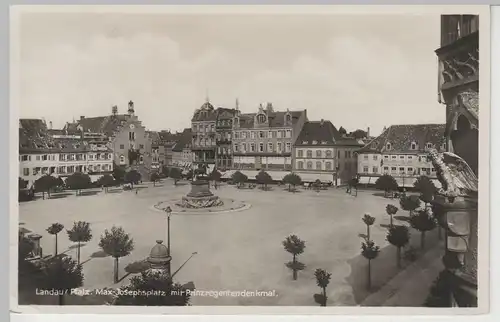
x,y
309,165
122,159
318,153
261,118
428,145
328,166
318,165
309,153
301,165
388,146
141,159
328,153
288,118
413,146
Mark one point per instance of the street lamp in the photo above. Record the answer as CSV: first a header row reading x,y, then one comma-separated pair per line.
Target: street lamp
x,y
168,210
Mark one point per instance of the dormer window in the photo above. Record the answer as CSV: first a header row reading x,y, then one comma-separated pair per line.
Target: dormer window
x,y
305,142
388,146
323,142
261,118
315,142
428,145
288,118
443,146
413,146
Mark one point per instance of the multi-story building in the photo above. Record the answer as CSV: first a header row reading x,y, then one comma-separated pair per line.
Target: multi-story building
x,y
59,153
401,152
157,151
182,156
168,141
321,152
204,143
264,140
223,127
458,58
126,137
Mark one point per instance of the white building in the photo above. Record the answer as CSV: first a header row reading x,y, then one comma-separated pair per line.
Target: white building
x,y
60,155
401,152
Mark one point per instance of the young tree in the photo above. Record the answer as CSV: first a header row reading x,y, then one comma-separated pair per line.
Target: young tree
x,y
118,173
425,185
263,178
398,236
295,246
292,179
154,177
322,280
391,211
80,233
133,177
163,291
239,178
62,274
387,183
369,221
176,174
409,203
106,181
116,243
78,181
422,222
369,251
55,229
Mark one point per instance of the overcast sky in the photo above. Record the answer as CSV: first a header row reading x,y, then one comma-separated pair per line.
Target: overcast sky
x,y
354,70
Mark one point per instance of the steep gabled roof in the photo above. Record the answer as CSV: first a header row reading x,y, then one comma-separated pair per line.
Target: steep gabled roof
x,y
401,137
102,124
184,141
320,132
276,119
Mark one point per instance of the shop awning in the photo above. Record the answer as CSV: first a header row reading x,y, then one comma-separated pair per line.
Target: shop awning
x,y
312,177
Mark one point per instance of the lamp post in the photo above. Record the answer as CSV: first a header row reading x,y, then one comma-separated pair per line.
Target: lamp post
x,y
168,210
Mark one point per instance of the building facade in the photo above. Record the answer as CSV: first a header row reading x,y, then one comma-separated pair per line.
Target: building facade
x,y
223,127
264,140
401,152
204,143
59,153
458,58
126,137
321,152
182,156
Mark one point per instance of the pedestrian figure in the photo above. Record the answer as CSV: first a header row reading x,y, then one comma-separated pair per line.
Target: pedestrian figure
x,y
136,190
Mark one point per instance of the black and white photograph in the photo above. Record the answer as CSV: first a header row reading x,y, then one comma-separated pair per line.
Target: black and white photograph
x,y
250,156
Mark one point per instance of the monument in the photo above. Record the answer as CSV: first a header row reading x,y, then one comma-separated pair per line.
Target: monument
x,y
200,196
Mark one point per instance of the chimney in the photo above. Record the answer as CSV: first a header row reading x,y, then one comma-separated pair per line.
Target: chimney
x,y
50,125
368,132
114,110
322,122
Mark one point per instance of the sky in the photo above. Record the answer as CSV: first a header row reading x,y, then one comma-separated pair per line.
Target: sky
x,y
357,71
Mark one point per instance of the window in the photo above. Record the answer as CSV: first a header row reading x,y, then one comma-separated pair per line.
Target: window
x,y
429,145
261,134
318,165
280,147
270,147
328,165
38,158
212,127
328,153
71,169
122,146
261,147
413,146
402,170
261,118
270,134
386,157
318,153
443,146
410,157
300,165
279,134
288,118
433,170
401,157
309,165
300,153
274,134
252,135
252,147
131,136
315,142
141,159
375,157
386,169
338,154
26,171
393,169
345,154
141,146
122,159
365,157
394,157
309,153
375,169
61,170
365,169
24,158
44,157
388,146
288,147
243,147
288,133
236,148
410,169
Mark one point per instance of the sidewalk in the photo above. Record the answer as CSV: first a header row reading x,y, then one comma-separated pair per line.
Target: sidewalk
x,y
412,285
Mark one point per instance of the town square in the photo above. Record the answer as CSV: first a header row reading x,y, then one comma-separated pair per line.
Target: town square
x,y
179,160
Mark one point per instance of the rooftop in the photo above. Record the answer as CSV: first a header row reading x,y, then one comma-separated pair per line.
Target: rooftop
x,y
183,142
400,138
